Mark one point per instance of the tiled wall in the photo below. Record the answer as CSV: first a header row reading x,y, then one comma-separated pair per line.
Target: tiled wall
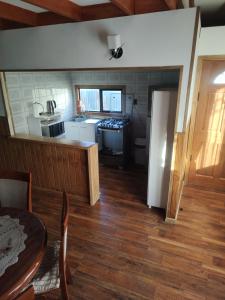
x,y
137,85
24,88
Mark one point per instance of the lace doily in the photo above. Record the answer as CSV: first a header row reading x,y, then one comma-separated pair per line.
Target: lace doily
x,y
12,238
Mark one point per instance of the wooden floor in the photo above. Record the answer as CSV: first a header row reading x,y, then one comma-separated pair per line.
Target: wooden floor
x,y
120,249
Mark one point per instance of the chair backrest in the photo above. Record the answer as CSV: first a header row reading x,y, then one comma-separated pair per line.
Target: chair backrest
x,y
15,190
64,232
63,247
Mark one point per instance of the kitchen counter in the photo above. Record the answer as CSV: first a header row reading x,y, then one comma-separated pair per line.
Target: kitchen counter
x,y
85,130
55,164
47,140
92,121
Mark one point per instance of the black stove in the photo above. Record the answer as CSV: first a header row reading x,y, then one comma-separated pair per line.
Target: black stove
x,y
114,140
113,124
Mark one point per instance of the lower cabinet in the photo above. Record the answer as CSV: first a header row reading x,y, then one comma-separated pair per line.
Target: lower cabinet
x,y
80,131
71,131
87,132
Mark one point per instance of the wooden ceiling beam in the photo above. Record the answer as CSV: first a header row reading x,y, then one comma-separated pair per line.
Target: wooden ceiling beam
x,y
191,3
59,11
49,18
126,6
63,8
20,15
172,4
6,24
149,6
100,11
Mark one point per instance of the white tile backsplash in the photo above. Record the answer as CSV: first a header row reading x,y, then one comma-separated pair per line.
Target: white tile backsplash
x,y
137,87
15,94
24,88
12,80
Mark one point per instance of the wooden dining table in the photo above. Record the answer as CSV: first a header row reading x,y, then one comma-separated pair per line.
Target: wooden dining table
x,y
18,276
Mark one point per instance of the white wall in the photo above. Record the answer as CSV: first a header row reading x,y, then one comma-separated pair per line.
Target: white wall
x,y
157,39
24,88
211,41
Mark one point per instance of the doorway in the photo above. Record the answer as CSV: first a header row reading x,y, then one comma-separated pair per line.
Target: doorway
x,y
207,162
126,186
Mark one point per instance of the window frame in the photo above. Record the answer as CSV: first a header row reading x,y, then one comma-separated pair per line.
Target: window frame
x,y
102,88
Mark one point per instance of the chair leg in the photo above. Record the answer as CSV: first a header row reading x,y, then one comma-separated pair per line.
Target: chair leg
x,y
64,291
69,278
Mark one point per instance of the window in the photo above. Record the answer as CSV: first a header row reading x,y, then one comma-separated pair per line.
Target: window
x,y
90,99
111,101
108,100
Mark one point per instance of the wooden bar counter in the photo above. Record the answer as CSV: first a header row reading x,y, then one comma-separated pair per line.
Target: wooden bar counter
x,y
56,164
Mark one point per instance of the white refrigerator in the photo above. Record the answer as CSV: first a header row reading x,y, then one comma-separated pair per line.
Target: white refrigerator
x,y
162,123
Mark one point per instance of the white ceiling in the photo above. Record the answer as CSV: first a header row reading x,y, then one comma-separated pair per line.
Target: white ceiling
x,y
24,5
38,9
89,2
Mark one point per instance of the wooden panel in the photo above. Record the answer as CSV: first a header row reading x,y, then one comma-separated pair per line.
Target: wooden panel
x,y
177,174
64,8
49,18
4,126
146,6
172,4
93,166
65,11
100,11
207,167
6,24
17,14
54,166
126,6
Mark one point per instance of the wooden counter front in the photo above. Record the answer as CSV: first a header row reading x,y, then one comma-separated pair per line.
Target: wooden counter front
x,y
56,164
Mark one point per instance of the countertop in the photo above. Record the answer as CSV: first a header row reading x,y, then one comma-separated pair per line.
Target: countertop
x,y
48,140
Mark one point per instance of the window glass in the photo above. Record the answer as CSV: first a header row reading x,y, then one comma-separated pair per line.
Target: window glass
x,y
111,100
90,99
100,100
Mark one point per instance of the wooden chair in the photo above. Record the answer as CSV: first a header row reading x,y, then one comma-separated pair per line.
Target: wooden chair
x,y
15,190
27,294
54,272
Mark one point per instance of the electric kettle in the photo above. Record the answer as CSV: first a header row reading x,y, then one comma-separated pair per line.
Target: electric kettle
x,y
51,105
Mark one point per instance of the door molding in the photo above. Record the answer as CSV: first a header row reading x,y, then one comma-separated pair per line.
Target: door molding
x,y
6,104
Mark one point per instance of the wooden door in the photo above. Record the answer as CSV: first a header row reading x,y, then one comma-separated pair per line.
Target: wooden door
x,y
207,166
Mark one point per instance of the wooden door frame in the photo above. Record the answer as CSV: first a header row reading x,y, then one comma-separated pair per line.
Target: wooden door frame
x,y
191,129
177,146
6,104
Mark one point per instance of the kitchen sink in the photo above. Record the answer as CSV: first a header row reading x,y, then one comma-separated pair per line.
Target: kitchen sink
x,y
79,118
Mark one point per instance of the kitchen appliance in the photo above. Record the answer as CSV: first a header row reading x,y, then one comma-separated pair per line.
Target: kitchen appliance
x,y
114,140
45,128
113,124
53,129
38,108
163,114
51,105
